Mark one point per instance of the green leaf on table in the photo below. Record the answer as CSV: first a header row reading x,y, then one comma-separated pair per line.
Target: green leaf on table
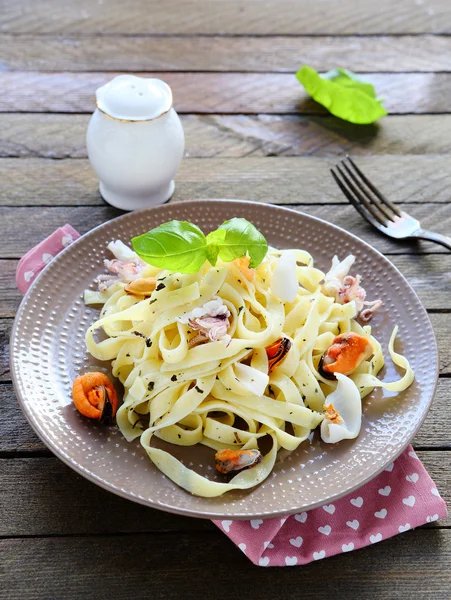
x,y
177,246
344,94
236,238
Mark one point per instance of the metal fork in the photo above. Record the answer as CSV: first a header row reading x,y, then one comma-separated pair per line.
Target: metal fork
x,y
377,209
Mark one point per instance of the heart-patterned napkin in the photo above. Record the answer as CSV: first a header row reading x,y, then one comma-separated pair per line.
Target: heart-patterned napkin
x,y
32,263
400,498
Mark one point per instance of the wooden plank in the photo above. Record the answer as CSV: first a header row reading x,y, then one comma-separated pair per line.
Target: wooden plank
x,y
52,487
441,323
412,565
10,296
279,180
218,53
434,433
237,136
430,278
42,221
250,93
5,332
17,436
232,17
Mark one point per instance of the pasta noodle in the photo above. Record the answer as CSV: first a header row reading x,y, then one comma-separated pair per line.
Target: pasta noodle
x,y
194,377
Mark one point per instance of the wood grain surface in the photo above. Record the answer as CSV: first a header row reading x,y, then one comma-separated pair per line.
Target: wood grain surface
x,y
411,180
51,485
167,565
47,135
251,133
244,93
42,221
16,436
430,277
219,53
234,17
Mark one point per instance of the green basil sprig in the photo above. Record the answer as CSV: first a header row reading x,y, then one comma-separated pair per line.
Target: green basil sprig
x,y
182,247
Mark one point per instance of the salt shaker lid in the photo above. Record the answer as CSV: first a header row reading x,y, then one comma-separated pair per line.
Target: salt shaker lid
x,y
131,98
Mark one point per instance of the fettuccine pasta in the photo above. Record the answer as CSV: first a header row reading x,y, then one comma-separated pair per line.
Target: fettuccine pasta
x,y
193,359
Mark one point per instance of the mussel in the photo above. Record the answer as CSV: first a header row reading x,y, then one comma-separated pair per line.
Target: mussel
x,y
95,397
277,352
228,461
141,287
345,355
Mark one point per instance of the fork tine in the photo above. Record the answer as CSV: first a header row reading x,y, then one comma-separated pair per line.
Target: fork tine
x,y
374,189
371,208
388,214
356,204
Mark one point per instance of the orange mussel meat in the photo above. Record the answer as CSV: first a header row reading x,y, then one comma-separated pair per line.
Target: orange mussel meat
x,y
345,355
277,353
236,460
141,287
95,397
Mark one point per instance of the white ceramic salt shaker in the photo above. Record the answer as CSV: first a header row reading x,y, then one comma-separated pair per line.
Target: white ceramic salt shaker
x,y
135,142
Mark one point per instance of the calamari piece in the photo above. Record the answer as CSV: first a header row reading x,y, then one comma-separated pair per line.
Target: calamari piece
x,y
228,461
252,379
345,355
121,251
211,321
284,283
333,280
346,288
95,397
343,416
119,271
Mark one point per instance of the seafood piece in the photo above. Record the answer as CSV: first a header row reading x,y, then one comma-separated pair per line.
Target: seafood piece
x,y
121,251
236,460
95,397
243,265
332,414
141,287
346,353
211,320
252,379
277,352
343,416
284,283
120,271
345,288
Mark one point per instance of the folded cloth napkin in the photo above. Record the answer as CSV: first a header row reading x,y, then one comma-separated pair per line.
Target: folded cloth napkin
x,y
35,259
398,499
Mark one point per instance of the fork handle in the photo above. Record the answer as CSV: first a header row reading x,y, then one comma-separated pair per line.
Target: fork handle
x,y
431,236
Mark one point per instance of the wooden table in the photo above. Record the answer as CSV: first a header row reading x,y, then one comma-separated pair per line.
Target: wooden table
x,y
251,133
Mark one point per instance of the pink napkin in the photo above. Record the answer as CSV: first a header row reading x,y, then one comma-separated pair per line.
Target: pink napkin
x,y
398,499
35,259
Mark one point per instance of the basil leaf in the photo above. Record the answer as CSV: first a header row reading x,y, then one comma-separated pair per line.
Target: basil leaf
x,y
212,253
344,94
236,238
177,245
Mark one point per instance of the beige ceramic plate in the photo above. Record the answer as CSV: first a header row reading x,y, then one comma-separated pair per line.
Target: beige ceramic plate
x,y
47,352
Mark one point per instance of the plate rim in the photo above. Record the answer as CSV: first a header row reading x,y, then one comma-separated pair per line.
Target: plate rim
x,y
93,478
